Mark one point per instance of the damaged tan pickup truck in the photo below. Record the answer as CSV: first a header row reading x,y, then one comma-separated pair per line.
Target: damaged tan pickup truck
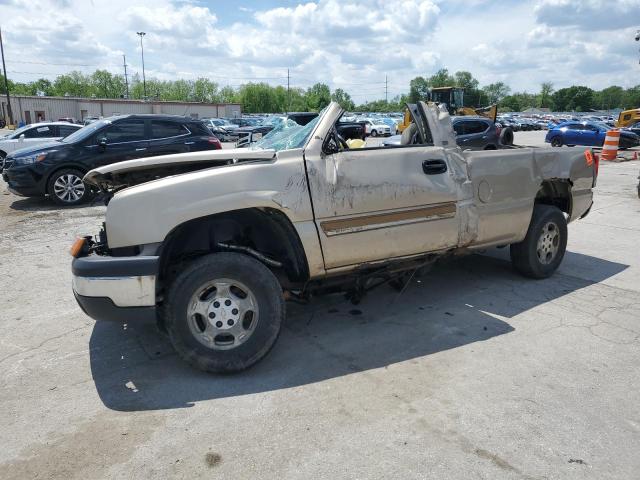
x,y
211,244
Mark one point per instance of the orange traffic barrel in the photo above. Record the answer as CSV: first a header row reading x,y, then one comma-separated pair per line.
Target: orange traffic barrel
x,y
610,147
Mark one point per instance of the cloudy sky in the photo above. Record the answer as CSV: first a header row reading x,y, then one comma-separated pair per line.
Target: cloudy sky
x,y
350,44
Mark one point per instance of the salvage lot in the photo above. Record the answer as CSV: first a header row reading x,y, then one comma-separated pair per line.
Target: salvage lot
x,y
473,371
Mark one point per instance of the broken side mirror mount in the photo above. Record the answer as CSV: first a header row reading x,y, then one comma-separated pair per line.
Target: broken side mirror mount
x,y
331,145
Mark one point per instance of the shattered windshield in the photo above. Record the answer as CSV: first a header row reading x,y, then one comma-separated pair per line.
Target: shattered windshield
x,y
287,135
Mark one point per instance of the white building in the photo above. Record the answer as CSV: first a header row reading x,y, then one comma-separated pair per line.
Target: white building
x,y
30,109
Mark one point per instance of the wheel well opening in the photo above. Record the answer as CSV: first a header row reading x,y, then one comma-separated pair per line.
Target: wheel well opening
x,y
267,234
556,192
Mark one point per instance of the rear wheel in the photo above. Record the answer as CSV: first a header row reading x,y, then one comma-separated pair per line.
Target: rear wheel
x,y
66,187
224,312
542,250
556,142
506,136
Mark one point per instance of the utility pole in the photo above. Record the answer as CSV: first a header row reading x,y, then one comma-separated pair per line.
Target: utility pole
x,y
126,79
288,92
6,82
386,89
144,80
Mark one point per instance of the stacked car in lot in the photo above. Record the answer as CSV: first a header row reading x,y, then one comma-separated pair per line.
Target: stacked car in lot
x,y
56,168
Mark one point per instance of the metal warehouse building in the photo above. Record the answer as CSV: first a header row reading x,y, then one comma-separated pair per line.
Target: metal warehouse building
x,y
30,109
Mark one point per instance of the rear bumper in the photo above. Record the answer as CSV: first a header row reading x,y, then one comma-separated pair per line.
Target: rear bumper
x,y
116,288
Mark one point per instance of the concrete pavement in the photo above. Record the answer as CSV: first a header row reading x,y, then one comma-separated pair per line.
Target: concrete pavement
x,y
473,372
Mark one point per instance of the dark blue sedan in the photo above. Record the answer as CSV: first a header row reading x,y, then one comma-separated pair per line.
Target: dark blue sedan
x,y
587,133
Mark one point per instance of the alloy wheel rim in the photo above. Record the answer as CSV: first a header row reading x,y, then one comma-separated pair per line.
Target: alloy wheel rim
x,y
222,314
548,243
68,188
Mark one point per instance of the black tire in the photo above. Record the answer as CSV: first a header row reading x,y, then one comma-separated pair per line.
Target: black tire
x,y
79,195
506,136
374,133
2,123
556,142
264,287
526,256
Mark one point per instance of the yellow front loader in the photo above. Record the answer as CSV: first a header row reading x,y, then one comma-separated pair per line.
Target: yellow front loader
x,y
453,98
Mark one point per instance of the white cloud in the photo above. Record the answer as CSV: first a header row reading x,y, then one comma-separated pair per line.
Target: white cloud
x,y
589,14
353,44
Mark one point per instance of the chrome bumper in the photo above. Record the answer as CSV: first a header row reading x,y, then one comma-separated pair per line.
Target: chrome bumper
x,y
129,291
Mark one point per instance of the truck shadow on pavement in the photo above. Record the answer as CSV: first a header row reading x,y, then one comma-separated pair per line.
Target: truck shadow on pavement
x,y
457,304
44,204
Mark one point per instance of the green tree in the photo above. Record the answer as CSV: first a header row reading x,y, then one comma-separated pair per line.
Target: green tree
x,y
441,79
510,103
318,96
106,85
418,90
608,98
343,98
204,90
74,84
631,98
545,99
466,80
496,91
228,95
578,98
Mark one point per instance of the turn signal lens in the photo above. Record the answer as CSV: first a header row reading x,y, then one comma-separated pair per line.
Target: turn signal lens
x,y
77,247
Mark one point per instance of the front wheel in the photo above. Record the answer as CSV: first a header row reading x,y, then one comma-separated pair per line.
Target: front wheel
x,y
556,142
66,187
224,311
374,133
542,250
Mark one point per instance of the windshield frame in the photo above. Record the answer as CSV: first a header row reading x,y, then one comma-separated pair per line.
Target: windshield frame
x,y
294,129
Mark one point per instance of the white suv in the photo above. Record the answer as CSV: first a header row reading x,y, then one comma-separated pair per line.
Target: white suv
x,y
33,135
375,127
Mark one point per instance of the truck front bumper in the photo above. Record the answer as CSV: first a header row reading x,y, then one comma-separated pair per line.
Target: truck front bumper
x,y
121,289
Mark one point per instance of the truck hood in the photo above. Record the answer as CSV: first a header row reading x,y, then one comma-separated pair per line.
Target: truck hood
x,y
120,175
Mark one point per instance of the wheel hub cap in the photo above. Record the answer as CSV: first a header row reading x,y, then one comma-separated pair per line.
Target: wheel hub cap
x,y
222,314
68,188
548,243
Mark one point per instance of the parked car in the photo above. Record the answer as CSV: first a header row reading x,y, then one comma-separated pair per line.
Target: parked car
x,y
308,216
392,124
474,133
221,128
34,135
508,122
57,168
635,128
588,134
375,127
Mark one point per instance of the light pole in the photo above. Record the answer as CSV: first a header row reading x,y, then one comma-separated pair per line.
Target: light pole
x,y
144,80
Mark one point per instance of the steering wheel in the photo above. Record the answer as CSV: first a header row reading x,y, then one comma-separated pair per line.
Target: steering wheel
x,y
341,140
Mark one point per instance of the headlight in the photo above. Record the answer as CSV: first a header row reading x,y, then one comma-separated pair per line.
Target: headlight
x,y
38,157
